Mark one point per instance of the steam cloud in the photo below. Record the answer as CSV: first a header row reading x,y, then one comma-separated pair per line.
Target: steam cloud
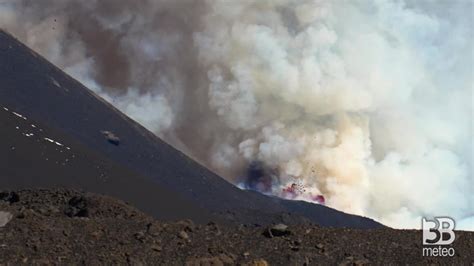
x,y
366,102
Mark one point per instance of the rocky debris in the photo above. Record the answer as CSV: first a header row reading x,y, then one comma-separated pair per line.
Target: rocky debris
x,y
221,259
227,259
156,248
10,197
295,245
213,227
153,229
111,137
183,235
77,207
140,236
320,247
258,262
119,234
188,225
215,261
5,217
277,231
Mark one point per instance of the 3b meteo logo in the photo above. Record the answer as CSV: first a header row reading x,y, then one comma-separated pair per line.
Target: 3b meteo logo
x,y
437,234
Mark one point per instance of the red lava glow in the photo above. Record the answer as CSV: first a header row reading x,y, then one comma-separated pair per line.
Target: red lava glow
x,y
295,190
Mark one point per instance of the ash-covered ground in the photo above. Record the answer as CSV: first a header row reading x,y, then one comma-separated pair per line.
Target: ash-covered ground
x,y
67,227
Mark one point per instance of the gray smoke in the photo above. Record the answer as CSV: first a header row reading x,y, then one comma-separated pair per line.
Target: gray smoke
x,y
366,102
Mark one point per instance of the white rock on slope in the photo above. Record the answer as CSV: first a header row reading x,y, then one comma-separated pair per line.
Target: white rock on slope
x,y
5,217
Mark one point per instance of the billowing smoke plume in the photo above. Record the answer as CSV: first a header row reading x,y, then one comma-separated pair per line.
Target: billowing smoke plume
x,y
368,103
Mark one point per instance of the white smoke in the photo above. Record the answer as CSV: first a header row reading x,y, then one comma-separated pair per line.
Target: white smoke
x,y
367,102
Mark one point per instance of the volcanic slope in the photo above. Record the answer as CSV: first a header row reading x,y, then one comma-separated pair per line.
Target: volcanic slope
x,y
34,155
144,170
